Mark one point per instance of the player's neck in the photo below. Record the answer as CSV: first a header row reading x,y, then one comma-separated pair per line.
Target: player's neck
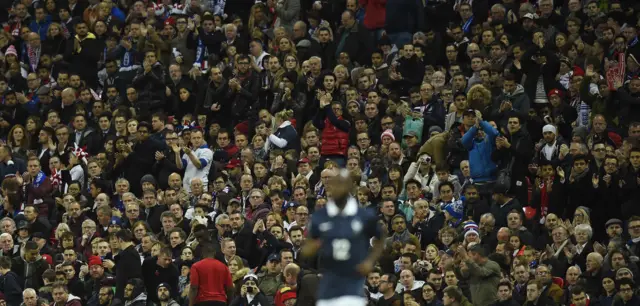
x,y
341,202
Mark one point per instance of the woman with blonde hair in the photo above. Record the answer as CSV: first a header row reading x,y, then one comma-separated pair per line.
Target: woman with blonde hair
x,y
238,271
342,75
273,219
278,33
286,47
56,43
285,137
291,64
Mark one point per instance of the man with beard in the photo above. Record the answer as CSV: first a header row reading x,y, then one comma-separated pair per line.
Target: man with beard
x,y
13,114
62,297
514,152
409,71
211,100
426,223
387,287
164,295
134,294
138,160
93,287
82,54
270,280
105,296
159,270
243,90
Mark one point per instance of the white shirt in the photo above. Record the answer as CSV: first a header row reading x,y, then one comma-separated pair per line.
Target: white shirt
x,y
205,155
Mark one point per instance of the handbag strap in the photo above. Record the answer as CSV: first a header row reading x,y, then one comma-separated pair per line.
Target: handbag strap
x,y
513,157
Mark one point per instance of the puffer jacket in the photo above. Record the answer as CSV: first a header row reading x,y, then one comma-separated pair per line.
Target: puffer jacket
x,y
480,151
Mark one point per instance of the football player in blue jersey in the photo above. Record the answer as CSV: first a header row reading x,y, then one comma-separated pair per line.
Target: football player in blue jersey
x,y
341,233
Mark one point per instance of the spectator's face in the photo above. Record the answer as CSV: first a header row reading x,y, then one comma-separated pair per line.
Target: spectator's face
x,y
532,292
406,278
223,140
614,230
6,243
60,295
175,239
302,215
579,166
296,238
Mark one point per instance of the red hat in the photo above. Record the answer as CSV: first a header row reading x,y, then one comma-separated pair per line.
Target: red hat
x,y
233,163
303,160
243,127
95,260
577,71
555,92
48,259
287,295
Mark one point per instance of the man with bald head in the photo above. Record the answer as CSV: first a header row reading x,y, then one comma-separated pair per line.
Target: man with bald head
x,y
31,57
68,98
175,183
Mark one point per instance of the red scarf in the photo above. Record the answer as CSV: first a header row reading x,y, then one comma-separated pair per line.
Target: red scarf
x,y
544,198
34,57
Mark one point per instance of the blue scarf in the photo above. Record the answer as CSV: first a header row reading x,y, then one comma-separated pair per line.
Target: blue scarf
x,y
39,179
466,27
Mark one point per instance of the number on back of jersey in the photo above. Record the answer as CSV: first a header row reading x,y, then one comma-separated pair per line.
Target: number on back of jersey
x,y
341,249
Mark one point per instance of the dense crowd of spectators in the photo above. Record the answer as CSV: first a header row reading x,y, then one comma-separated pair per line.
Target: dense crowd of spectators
x,y
173,152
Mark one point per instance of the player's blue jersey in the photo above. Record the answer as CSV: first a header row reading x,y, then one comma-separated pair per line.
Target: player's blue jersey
x,y
345,238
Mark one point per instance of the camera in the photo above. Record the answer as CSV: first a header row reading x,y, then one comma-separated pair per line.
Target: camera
x,y
249,289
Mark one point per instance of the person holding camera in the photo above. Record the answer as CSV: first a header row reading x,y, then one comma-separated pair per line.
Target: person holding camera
x,y
250,295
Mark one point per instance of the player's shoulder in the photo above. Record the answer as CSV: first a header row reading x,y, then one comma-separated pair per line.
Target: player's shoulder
x,y
366,213
320,214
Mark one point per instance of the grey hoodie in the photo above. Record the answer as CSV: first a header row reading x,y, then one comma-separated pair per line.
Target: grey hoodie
x,y
520,102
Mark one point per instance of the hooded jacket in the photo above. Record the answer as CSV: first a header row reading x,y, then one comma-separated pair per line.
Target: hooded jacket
x,y
480,151
10,286
30,272
138,293
519,101
72,300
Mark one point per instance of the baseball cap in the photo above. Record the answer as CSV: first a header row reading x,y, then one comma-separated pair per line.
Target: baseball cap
x,y
233,164
115,221
23,225
250,276
273,257
470,111
38,235
43,91
410,133
303,161
288,205
612,222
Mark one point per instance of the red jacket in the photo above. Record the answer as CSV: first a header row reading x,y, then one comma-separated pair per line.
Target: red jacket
x,y
375,13
334,140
